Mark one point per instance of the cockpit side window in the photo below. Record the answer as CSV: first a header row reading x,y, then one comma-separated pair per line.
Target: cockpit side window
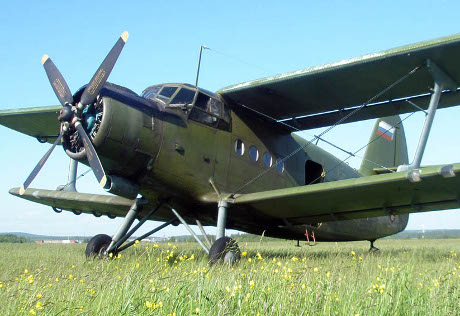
x,y
210,111
201,111
183,97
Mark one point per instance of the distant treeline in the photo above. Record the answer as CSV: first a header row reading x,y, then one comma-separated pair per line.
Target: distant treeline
x,y
428,234
10,238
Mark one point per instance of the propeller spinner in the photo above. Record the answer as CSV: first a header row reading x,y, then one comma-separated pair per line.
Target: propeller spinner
x,y
71,112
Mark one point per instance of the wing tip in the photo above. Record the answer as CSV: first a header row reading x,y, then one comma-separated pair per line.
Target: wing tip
x,y
22,190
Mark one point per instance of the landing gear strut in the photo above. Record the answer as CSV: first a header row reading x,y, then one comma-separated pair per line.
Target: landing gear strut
x,y
224,249
373,249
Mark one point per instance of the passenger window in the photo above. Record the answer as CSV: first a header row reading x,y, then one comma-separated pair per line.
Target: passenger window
x,y
279,165
268,160
184,96
253,153
239,147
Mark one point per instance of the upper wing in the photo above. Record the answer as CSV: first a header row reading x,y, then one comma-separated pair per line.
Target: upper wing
x,y
326,93
370,196
39,122
78,202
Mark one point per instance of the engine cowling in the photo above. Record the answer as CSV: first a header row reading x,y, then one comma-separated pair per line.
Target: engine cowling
x,y
124,130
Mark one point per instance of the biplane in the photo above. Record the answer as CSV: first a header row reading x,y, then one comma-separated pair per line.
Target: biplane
x,y
178,153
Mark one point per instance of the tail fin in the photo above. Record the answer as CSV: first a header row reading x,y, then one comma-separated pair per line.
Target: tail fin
x,y
387,146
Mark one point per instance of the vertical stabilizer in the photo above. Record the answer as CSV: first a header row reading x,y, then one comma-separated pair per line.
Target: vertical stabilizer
x,y
387,146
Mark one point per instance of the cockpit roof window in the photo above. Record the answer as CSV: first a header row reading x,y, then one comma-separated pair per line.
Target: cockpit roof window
x,y
166,93
183,97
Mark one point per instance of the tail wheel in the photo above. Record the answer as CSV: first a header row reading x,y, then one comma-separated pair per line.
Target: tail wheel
x,y
98,245
224,250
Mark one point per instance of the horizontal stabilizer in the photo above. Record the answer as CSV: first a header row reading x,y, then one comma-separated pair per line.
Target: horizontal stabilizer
x,y
432,188
95,204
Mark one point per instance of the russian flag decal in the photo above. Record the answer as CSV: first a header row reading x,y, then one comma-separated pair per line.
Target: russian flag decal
x,y
386,131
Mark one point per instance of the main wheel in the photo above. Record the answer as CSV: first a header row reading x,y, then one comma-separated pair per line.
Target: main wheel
x,y
97,245
224,250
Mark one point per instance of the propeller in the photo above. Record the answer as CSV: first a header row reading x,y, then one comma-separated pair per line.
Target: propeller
x,y
71,113
39,166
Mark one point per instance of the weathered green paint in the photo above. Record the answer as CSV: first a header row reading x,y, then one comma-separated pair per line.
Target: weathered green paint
x,y
175,158
351,82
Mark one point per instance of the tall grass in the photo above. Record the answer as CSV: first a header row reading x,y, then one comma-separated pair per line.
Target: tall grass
x,y
407,277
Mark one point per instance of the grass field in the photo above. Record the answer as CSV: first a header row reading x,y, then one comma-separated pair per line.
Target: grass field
x,y
407,277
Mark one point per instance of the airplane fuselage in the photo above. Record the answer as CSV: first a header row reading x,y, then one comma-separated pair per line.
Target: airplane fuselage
x,y
189,153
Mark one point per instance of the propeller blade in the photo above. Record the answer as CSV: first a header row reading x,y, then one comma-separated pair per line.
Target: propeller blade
x,y
39,166
60,87
92,156
101,75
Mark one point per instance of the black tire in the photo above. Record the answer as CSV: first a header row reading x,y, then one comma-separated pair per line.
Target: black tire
x,y
224,250
97,245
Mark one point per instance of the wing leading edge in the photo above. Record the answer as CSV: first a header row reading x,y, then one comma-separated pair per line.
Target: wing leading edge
x,y
371,196
320,96
78,202
38,122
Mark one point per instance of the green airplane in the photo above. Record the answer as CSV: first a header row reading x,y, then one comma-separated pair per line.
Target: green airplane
x,y
181,154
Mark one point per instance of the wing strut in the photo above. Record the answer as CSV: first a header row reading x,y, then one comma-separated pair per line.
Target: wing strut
x,y
441,81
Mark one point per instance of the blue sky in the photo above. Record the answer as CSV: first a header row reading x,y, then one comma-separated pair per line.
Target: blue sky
x,y
250,39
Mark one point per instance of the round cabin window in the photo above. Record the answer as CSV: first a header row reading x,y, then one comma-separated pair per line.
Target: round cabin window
x,y
239,147
253,153
268,160
279,165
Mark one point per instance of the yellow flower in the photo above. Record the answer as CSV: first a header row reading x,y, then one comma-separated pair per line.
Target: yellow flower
x,y
244,253
26,271
32,311
328,274
39,296
70,277
137,242
197,310
249,260
251,284
315,269
110,255
81,308
353,253
137,265
38,306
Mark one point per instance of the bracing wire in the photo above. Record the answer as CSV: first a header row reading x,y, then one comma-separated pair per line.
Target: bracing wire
x,y
354,154
75,181
343,119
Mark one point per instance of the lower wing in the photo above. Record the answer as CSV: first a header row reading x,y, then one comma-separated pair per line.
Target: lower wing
x,y
427,189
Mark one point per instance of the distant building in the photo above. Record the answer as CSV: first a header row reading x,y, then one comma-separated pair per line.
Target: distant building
x,y
65,241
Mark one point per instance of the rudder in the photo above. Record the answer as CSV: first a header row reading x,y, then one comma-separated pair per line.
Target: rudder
x,y
387,146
